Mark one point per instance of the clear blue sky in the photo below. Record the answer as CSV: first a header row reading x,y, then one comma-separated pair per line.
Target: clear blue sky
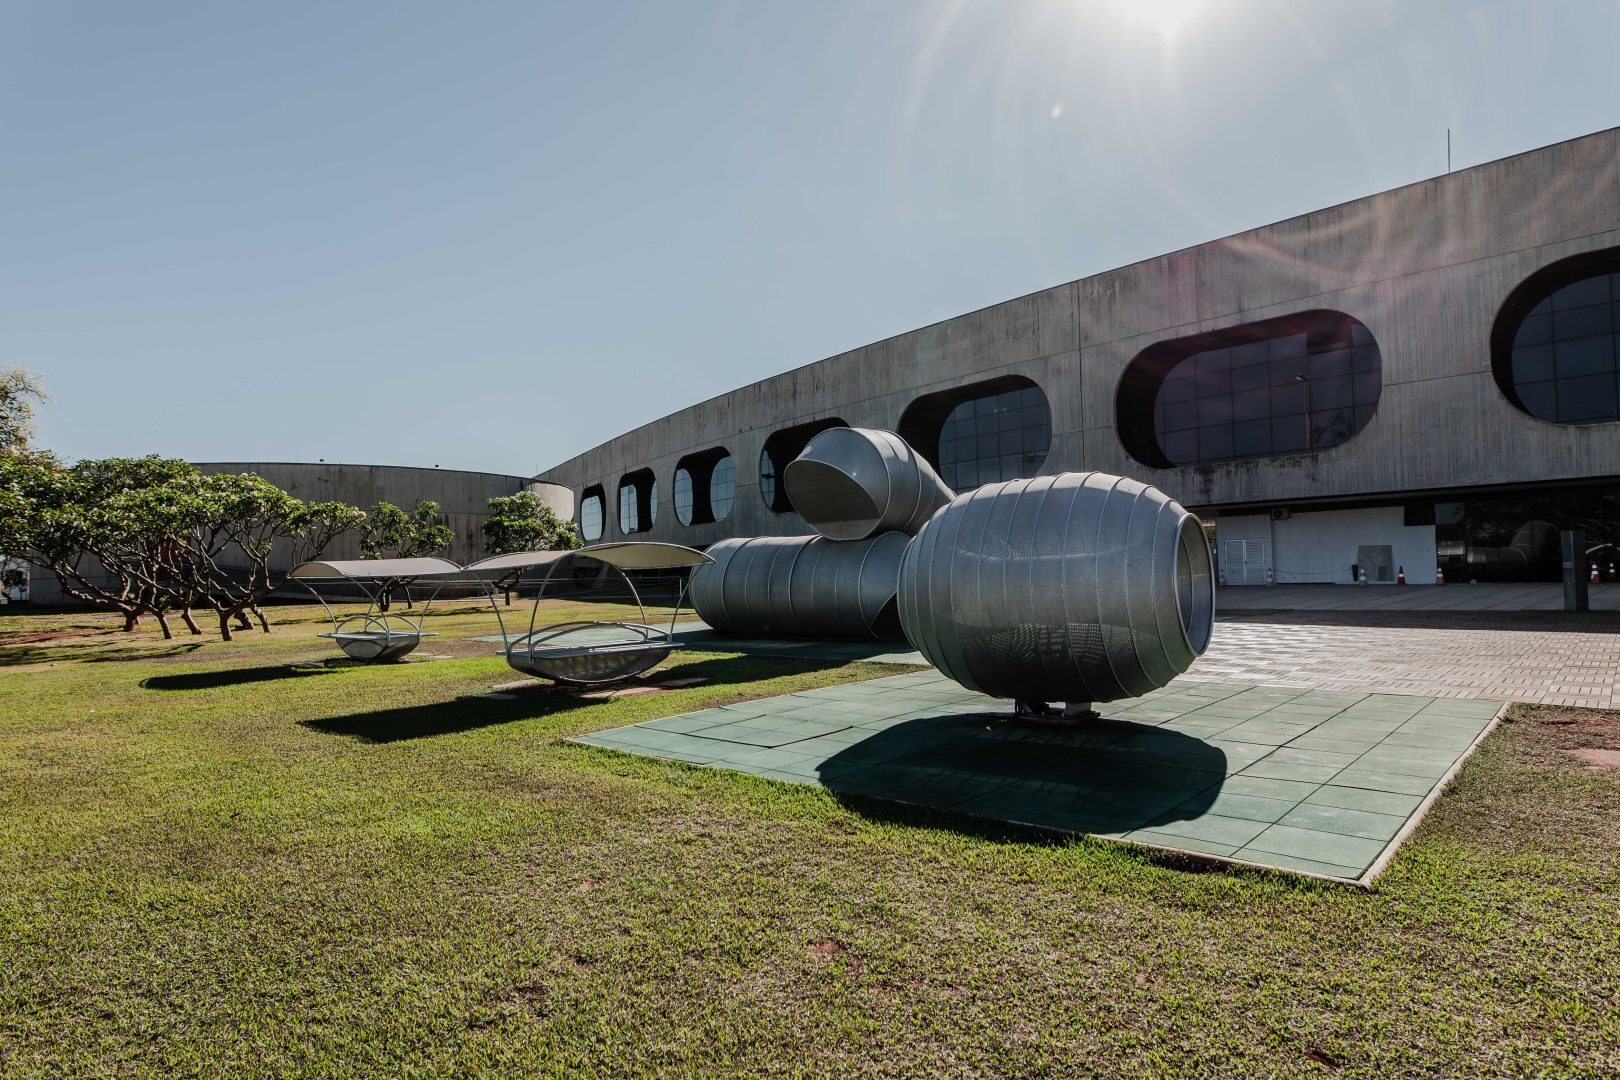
x,y
492,235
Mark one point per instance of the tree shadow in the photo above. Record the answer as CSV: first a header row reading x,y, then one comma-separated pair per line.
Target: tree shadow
x,y
89,653
1106,777
214,680
472,711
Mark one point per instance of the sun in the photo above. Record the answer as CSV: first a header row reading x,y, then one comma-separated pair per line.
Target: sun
x,y
1168,18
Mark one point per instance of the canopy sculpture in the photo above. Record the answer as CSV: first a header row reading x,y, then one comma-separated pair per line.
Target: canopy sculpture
x,y
589,651
377,634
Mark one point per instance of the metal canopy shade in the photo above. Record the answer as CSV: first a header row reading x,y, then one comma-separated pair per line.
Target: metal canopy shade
x,y
1080,587
375,635
852,483
589,651
372,569
633,555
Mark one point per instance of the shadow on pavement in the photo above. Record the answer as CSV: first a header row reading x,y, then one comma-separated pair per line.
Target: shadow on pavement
x,y
1103,777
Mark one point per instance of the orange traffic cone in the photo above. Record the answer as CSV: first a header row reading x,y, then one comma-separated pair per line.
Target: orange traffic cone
x,y
1595,578
1400,576
1363,577
1439,575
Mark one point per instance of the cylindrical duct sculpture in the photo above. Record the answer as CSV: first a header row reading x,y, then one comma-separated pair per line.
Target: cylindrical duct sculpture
x,y
1080,587
852,483
801,587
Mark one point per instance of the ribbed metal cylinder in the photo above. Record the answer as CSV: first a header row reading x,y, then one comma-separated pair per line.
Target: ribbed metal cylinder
x,y
1076,587
801,587
852,483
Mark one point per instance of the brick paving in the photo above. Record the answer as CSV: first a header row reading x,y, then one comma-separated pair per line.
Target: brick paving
x,y
1550,659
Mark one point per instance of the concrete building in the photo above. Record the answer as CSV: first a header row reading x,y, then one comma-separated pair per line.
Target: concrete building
x,y
1425,377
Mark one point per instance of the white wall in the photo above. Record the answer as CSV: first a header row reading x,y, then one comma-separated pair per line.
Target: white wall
x,y
1318,547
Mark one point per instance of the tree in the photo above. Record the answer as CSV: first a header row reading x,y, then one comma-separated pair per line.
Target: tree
x,y
20,389
390,533
50,518
522,522
165,535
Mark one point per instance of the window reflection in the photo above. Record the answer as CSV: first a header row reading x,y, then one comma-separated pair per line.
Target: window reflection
x,y
704,484
1564,362
999,437
638,501
1295,392
590,514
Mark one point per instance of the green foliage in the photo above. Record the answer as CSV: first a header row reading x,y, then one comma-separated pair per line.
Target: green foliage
x,y
20,389
522,522
168,535
390,533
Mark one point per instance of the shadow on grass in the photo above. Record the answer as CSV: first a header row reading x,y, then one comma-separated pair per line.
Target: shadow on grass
x,y
214,680
89,653
470,712
1106,777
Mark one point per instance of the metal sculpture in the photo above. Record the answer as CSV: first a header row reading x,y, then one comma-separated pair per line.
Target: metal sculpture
x,y
852,483
376,634
588,651
801,587
1080,587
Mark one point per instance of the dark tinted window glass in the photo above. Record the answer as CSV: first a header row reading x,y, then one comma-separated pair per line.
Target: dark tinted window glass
x,y
683,496
590,515
1564,359
1003,436
722,487
1282,394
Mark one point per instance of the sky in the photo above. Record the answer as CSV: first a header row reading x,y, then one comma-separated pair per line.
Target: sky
x,y
491,235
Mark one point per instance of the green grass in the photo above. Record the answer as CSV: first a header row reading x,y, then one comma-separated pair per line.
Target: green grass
x,y
235,858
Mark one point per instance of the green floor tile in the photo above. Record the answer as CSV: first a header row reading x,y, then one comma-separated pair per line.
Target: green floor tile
x,y
1344,821
1332,848
1375,780
1379,802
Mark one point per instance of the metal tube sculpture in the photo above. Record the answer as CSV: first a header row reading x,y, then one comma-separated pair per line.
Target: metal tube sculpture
x,y
1081,587
852,483
801,586
588,651
376,635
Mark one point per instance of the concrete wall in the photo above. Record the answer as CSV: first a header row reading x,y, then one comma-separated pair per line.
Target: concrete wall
x,y
1424,267
1319,547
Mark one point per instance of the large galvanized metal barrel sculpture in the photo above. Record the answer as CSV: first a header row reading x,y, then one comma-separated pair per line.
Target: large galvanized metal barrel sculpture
x,y
1079,587
852,483
801,587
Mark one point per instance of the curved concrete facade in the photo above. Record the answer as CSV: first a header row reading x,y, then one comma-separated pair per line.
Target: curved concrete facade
x,y
1424,267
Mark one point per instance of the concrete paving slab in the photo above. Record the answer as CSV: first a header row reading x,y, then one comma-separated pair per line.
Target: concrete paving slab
x,y
1327,790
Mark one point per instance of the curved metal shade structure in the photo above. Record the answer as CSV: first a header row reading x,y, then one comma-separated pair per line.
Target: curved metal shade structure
x,y
852,483
376,634
801,586
1080,587
588,651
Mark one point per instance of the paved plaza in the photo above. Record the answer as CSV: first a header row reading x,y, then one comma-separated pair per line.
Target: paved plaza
x,y
1550,659
1309,781
1418,596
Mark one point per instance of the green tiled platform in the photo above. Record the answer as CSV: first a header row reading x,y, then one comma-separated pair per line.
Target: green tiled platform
x,y
1312,781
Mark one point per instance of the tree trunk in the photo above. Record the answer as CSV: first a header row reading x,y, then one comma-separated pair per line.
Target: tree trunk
x,y
242,621
191,623
132,619
264,623
225,626
163,624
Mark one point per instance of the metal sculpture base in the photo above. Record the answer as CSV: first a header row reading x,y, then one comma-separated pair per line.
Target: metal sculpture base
x,y
1041,712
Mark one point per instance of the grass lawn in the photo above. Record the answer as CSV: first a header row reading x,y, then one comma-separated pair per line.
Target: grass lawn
x,y
235,858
